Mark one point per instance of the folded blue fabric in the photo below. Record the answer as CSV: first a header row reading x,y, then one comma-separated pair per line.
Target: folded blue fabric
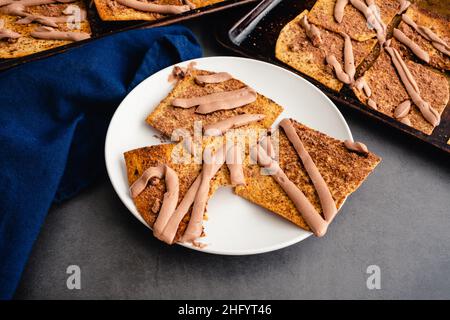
x,y
53,119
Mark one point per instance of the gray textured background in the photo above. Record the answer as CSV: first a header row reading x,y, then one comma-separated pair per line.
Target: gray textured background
x,y
399,220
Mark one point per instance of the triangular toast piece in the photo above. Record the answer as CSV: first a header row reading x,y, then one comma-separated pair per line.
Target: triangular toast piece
x,y
295,49
353,23
342,170
388,91
166,118
26,44
149,201
438,24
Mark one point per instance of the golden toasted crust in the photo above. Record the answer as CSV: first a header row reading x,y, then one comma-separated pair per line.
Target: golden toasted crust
x,y
388,91
167,118
438,24
354,23
342,170
26,45
149,201
110,10
295,49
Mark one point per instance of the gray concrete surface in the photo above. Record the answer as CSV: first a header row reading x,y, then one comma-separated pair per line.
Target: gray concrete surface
x,y
398,220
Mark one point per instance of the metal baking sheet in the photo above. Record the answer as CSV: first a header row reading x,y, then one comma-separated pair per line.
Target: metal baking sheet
x,y
255,36
102,28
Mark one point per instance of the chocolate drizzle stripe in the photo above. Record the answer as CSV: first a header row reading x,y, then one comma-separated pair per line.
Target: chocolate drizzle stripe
x,y
213,78
170,201
227,104
425,32
312,32
349,59
234,164
48,33
356,146
170,231
312,218
372,19
339,8
141,183
220,127
213,97
325,197
155,8
211,165
428,112
414,47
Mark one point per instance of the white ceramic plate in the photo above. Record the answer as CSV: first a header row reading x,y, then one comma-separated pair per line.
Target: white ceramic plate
x,y
235,226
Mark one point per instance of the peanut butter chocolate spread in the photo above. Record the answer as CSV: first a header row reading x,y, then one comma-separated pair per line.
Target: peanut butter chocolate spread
x,y
19,7
213,78
428,112
169,203
404,5
139,185
155,8
347,76
340,74
349,59
362,85
240,120
326,200
414,47
170,231
372,103
211,165
402,109
234,164
312,32
6,33
425,32
372,18
49,33
356,146
170,199
218,101
339,10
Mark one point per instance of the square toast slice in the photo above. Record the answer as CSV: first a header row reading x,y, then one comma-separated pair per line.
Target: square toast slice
x,y
353,23
388,90
26,44
167,118
342,170
295,49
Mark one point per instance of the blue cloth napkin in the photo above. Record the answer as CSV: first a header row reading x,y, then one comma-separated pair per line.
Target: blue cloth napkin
x,y
53,119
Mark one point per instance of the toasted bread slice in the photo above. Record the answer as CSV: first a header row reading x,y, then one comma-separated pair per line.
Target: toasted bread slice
x,y
111,10
388,90
26,44
354,23
149,201
309,59
167,118
342,170
438,24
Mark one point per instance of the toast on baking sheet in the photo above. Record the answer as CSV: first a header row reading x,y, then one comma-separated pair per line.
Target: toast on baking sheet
x,y
295,49
26,44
